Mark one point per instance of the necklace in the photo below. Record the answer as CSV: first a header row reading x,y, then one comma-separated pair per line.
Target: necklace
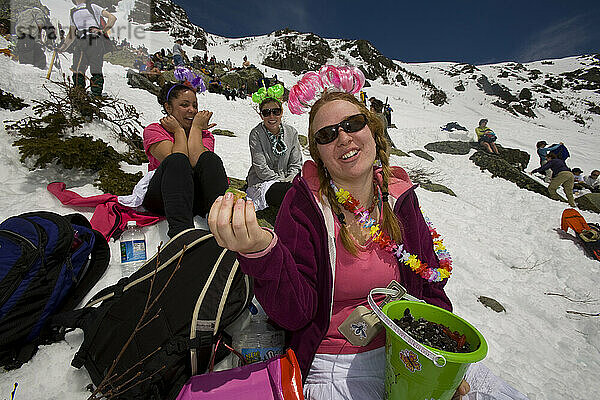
x,y
278,146
385,241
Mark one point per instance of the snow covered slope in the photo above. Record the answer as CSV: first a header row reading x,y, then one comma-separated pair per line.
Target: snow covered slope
x,y
503,239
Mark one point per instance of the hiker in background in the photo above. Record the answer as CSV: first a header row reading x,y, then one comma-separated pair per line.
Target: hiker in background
x,y
578,179
542,152
363,97
377,108
275,153
229,92
561,176
178,53
246,63
593,181
188,176
153,69
387,111
228,64
29,27
242,91
90,34
486,137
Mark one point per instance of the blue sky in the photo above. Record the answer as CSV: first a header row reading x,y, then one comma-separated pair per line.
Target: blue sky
x,y
477,32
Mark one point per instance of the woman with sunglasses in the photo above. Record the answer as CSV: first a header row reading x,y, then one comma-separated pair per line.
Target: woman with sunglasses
x,y
275,153
321,261
187,175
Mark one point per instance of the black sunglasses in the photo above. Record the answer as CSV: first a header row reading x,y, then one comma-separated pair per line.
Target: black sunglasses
x,y
353,123
265,112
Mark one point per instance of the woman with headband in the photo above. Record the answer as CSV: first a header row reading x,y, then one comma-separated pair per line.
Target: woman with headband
x,y
188,175
274,149
348,224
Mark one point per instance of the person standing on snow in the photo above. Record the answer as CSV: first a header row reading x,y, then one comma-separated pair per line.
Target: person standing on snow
x,y
29,26
90,34
178,53
542,152
561,176
377,108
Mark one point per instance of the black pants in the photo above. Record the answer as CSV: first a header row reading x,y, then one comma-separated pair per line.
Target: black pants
x,y
179,191
276,193
89,52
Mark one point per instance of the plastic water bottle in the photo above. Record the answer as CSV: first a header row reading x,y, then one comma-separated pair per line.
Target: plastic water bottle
x,y
133,249
260,341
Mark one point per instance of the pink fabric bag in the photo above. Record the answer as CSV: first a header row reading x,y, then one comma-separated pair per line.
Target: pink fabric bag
x,y
276,379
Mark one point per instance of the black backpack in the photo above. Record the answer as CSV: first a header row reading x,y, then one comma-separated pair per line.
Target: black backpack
x,y
206,294
48,263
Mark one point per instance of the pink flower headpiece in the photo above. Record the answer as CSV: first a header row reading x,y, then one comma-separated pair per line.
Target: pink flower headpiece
x,y
304,93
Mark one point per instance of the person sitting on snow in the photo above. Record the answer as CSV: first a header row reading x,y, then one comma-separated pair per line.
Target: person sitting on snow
x,y
486,137
188,175
592,181
578,183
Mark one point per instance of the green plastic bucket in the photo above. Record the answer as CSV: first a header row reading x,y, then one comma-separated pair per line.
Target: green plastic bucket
x,y
419,372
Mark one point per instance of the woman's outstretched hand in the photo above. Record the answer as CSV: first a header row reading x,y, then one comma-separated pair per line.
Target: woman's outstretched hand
x,y
170,124
202,119
235,225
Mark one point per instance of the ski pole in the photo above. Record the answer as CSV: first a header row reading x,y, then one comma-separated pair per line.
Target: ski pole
x,y
51,64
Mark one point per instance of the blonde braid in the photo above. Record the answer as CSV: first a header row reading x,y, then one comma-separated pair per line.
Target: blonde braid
x,y
390,223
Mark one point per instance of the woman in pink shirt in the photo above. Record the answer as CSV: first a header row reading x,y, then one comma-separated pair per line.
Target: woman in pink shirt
x,y
327,250
188,175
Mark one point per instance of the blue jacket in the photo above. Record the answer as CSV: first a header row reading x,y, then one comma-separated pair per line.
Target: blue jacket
x,y
543,152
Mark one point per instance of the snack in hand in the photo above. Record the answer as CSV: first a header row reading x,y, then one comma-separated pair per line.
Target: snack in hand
x,y
237,194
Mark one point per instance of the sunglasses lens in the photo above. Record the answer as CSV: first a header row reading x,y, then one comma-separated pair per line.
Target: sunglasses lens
x,y
326,135
268,111
351,124
354,124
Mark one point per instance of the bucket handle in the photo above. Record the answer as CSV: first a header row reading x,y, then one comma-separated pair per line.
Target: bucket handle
x,y
437,359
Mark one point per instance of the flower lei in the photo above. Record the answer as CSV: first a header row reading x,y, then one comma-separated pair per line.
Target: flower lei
x,y
385,242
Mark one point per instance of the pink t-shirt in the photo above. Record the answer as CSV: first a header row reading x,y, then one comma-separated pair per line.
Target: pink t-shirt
x,y
155,133
354,278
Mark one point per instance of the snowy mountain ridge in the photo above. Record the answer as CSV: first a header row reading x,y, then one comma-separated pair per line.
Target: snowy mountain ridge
x,y
503,240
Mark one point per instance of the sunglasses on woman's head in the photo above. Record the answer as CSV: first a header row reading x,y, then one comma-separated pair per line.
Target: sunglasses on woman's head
x,y
265,112
353,123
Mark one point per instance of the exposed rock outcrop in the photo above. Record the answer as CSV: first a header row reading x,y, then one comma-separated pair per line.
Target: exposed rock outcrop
x,y
498,166
589,202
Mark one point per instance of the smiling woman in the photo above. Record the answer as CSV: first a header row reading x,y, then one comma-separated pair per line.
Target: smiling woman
x,y
187,175
275,153
321,262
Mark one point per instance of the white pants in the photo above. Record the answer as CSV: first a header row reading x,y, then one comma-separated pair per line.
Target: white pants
x,y
257,194
362,377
